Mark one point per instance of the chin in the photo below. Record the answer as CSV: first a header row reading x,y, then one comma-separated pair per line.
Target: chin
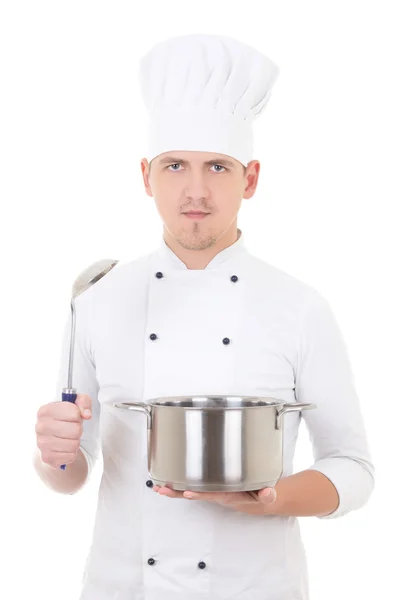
x,y
195,240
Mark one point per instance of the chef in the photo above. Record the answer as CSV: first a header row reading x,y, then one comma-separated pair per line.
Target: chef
x,y
200,315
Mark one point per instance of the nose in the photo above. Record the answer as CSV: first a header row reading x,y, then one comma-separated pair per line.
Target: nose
x,y
196,190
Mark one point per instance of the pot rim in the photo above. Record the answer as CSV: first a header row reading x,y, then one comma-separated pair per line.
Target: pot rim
x,y
161,402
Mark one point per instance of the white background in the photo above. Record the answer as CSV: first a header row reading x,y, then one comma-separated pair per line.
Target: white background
x,y
71,129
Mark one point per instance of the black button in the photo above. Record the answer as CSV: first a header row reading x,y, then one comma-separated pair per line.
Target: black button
x,y
153,336
151,561
159,275
202,565
234,278
149,483
226,341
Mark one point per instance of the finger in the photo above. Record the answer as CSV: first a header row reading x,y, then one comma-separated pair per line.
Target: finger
x,y
165,491
57,444
84,403
210,496
267,496
61,411
220,497
59,429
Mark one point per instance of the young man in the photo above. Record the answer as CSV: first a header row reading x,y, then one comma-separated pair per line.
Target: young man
x,y
201,315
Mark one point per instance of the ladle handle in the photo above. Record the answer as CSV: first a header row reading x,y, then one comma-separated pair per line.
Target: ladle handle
x,y
68,397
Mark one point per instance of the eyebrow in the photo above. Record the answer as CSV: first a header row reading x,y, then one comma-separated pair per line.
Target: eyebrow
x,y
173,160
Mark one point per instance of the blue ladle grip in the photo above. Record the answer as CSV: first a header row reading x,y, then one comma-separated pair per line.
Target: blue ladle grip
x,y
67,398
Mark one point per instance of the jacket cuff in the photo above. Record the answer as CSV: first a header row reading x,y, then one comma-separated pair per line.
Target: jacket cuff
x,y
353,481
88,460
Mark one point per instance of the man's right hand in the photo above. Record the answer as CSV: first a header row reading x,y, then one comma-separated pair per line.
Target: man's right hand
x,y
59,429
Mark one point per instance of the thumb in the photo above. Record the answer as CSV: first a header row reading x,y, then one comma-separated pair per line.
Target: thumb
x,y
84,403
267,495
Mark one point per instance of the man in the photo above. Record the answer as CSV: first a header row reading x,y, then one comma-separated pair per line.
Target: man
x,y
201,315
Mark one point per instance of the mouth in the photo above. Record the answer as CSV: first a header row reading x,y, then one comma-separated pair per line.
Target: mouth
x,y
196,215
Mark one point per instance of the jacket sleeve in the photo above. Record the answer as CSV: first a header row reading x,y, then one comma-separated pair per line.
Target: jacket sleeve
x,y
336,427
83,378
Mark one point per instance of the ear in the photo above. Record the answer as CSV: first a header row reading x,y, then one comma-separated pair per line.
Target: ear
x,y
252,174
144,165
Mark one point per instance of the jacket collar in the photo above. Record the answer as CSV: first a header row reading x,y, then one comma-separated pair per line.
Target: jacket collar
x,y
165,255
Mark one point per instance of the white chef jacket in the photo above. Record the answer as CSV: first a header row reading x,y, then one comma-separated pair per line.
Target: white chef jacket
x,y
284,343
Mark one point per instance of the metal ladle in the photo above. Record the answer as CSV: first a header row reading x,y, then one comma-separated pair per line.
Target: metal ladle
x,y
84,281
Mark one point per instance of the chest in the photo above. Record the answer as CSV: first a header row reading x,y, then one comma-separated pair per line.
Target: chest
x,y
195,332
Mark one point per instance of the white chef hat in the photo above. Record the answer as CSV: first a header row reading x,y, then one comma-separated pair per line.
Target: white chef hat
x,y
202,92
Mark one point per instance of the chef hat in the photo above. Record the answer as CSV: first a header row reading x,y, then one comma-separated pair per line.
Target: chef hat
x,y
203,92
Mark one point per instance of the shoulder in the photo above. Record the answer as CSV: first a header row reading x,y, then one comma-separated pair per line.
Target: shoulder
x,y
280,285
124,277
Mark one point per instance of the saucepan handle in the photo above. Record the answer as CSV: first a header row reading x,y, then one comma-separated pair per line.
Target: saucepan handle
x,y
296,406
138,406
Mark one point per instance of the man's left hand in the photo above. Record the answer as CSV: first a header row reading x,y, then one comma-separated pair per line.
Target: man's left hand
x,y
231,499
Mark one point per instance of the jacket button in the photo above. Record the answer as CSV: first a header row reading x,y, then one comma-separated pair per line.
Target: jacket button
x,y
153,336
234,278
159,275
151,561
226,341
149,483
202,565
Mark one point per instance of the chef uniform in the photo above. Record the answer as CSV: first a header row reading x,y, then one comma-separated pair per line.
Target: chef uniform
x,y
153,328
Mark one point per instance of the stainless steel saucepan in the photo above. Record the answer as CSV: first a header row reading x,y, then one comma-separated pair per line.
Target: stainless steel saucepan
x,y
215,443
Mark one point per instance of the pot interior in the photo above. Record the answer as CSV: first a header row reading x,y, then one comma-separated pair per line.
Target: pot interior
x,y
215,401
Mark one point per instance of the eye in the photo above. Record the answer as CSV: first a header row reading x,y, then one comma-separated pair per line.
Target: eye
x,y
173,165
219,167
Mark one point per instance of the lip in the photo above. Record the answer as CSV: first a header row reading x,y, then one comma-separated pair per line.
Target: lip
x,y
195,215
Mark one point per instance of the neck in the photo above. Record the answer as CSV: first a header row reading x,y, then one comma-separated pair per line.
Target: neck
x,y
199,259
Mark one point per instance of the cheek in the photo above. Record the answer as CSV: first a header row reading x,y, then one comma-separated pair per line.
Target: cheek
x,y
229,202
167,189
225,189
168,206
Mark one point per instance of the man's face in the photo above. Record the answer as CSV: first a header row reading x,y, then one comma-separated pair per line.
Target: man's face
x,y
198,181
